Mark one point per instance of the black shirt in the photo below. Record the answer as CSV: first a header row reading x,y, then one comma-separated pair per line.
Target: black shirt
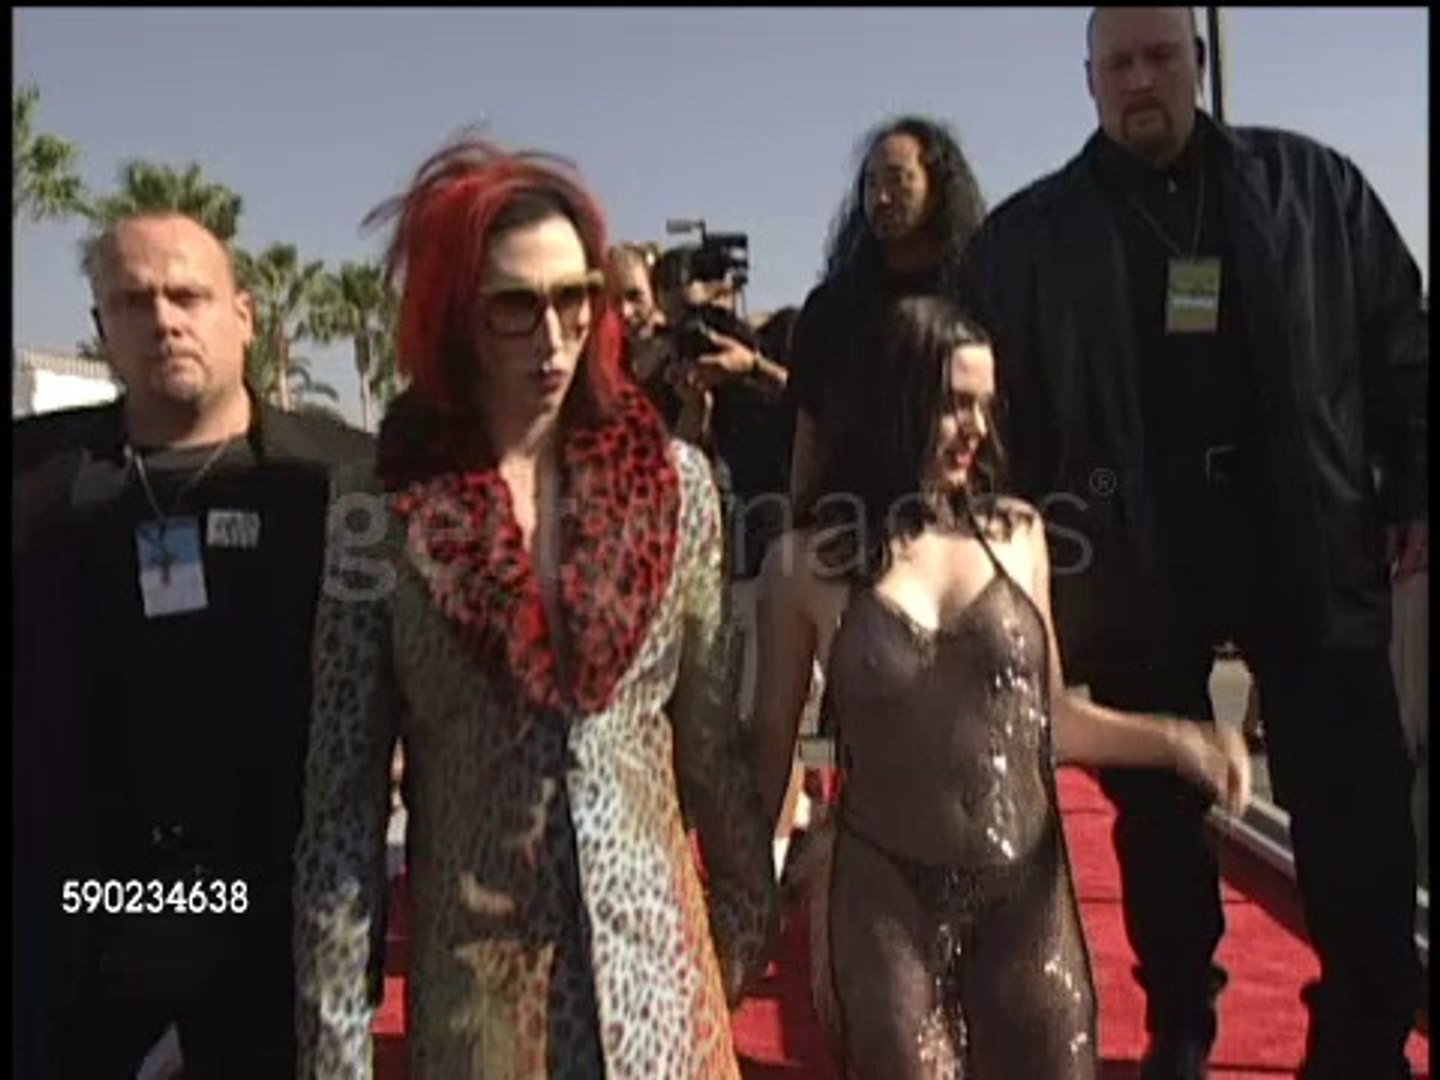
x,y
190,722
654,355
171,747
1197,389
169,662
753,434
206,716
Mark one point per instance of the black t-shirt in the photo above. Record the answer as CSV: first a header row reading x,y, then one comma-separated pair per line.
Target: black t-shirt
x,y
753,433
206,710
653,356
825,351
164,748
1197,389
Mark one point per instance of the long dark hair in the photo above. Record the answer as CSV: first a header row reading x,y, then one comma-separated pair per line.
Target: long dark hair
x,y
871,491
957,207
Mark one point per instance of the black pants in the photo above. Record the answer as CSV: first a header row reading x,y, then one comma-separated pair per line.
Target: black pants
x,y
1339,766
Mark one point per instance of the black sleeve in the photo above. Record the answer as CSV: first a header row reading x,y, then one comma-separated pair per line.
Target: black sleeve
x,y
1395,351
991,288
972,281
808,345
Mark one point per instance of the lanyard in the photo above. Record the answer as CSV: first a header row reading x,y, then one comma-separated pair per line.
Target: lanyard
x,y
1175,248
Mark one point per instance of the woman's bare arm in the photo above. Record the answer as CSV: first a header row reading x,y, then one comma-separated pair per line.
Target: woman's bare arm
x,y
1086,733
786,642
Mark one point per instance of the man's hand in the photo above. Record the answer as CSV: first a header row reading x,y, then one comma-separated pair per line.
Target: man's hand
x,y
1407,550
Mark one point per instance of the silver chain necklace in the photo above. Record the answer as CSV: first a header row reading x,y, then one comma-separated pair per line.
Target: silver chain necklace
x,y
199,474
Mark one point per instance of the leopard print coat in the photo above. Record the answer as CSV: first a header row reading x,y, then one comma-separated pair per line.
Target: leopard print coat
x,y
559,921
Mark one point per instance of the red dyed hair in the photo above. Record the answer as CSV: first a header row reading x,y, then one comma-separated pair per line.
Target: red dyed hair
x,y
444,225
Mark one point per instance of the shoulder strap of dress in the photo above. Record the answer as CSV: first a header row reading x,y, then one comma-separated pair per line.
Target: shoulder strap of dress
x,y
984,543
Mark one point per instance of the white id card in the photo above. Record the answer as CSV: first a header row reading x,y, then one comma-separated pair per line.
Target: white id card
x,y
172,574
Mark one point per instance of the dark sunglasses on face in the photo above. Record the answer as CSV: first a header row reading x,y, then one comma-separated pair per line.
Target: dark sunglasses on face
x,y
516,310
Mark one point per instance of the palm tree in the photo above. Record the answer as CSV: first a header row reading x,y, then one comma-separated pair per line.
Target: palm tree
x,y
44,181
262,373
385,378
284,289
147,186
357,304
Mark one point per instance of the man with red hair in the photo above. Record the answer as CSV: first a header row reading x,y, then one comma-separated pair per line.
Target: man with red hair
x,y
534,603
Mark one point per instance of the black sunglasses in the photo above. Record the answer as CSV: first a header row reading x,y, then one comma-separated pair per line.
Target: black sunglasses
x,y
516,310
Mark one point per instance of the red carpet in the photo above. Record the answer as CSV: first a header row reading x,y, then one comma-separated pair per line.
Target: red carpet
x,y
1262,1025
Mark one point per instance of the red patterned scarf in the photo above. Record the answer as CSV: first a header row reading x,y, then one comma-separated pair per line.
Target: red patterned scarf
x,y
621,506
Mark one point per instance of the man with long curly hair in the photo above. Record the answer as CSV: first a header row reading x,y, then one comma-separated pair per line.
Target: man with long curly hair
x,y
901,231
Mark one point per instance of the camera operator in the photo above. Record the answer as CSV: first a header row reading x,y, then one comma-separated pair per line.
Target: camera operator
x,y
712,357
729,379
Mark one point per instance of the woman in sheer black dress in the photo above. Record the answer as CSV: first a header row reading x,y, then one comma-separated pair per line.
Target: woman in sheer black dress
x,y
950,942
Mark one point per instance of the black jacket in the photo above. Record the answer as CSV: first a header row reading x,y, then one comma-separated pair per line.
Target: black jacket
x,y
64,642
1333,313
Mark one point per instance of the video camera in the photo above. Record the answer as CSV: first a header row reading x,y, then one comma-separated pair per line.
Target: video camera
x,y
720,256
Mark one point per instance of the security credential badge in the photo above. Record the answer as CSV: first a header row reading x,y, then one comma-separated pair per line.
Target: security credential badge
x,y
238,529
172,573
1192,296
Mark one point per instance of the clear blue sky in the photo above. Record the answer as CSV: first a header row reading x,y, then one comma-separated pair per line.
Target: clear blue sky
x,y
748,118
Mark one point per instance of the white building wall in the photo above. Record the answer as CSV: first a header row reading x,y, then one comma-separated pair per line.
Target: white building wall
x,y
53,392
45,382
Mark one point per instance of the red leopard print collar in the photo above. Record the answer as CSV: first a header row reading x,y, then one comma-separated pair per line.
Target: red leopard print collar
x,y
621,510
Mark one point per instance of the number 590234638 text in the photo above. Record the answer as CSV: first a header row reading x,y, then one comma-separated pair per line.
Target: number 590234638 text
x,y
113,896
